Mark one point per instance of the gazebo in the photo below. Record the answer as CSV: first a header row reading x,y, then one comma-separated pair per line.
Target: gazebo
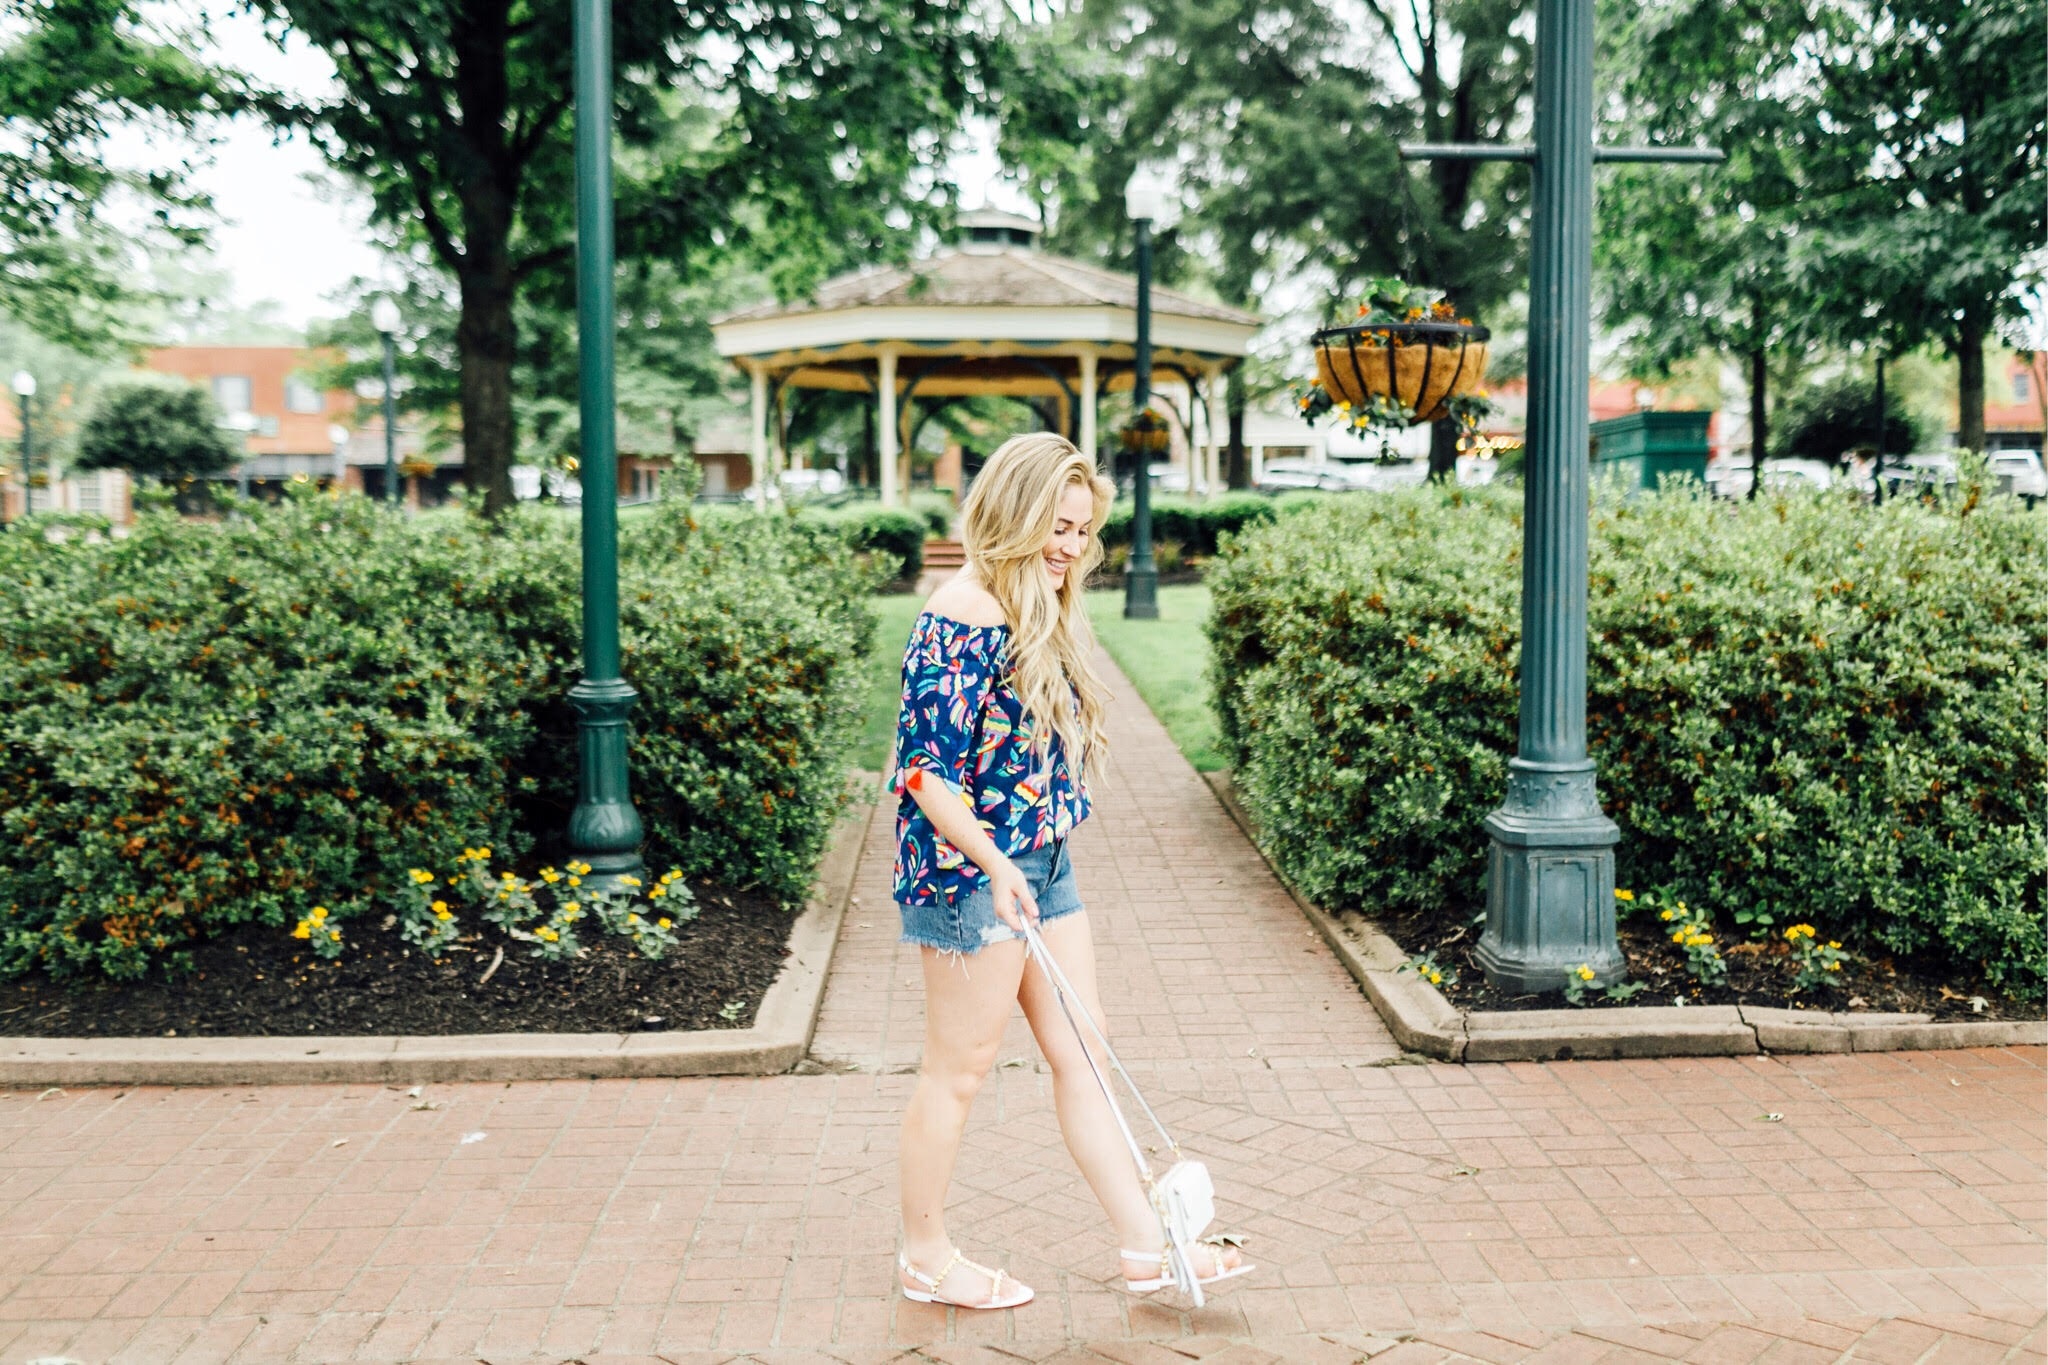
x,y
991,315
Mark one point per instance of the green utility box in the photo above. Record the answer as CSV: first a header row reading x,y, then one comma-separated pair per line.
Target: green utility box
x,y
1647,449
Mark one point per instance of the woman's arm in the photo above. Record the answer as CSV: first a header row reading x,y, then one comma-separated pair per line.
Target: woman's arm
x,y
957,826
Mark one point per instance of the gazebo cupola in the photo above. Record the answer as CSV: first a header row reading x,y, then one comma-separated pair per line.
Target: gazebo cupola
x,y
991,314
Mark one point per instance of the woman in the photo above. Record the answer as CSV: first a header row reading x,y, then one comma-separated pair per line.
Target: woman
x,y
1002,716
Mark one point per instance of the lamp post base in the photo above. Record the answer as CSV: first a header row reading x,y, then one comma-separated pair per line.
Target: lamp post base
x,y
1549,882
1141,591
604,829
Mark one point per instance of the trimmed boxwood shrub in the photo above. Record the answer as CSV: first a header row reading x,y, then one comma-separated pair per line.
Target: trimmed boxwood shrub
x,y
1198,527
1800,707
213,724
894,537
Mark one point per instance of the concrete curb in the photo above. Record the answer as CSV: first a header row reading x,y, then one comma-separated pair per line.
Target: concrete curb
x,y
1421,1020
778,1040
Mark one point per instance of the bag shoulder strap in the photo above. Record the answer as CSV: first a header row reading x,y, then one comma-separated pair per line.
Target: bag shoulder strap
x,y
1064,992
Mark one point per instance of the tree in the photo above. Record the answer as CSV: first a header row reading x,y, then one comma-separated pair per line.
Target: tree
x,y
1284,134
1883,186
1828,420
162,429
76,73
803,134
1935,159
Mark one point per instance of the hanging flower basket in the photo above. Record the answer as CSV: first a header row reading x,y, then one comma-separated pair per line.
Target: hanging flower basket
x,y
1416,366
416,467
1147,431
1408,358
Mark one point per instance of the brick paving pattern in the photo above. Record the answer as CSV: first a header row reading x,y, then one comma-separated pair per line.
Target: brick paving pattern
x,y
1896,1209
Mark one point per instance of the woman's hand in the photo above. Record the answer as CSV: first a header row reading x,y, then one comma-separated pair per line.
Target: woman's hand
x,y
1012,893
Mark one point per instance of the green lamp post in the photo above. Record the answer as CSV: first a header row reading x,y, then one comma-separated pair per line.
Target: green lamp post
x,y
1144,201
24,390
1550,867
384,317
604,829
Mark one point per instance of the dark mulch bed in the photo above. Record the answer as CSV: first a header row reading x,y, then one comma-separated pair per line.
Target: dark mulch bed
x,y
259,980
1759,973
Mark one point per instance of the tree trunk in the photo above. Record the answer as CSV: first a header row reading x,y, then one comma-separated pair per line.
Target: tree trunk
x,y
1970,383
1759,420
1237,464
486,338
1443,450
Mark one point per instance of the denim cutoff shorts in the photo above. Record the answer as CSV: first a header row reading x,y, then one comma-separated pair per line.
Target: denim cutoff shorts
x,y
970,924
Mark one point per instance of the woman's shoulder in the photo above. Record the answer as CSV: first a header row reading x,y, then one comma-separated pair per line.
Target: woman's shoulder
x,y
966,602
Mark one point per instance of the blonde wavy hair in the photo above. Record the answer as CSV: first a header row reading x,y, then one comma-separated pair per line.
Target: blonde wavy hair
x,y
1010,515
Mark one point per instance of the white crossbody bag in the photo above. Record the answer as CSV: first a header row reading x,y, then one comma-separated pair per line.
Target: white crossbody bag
x,y
1183,1196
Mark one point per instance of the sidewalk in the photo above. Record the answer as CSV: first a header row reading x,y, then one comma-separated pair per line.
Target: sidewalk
x,y
1895,1209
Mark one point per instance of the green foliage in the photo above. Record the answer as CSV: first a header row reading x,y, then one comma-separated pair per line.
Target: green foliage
x,y
938,512
1829,420
1800,705
1197,527
74,76
893,537
160,429
794,138
213,724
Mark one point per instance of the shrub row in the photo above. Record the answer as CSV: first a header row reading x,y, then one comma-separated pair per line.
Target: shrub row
x,y
1197,527
892,537
1802,709
213,724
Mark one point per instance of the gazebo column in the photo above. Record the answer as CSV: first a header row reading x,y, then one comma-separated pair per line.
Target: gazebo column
x,y
1218,425
885,394
1087,441
757,376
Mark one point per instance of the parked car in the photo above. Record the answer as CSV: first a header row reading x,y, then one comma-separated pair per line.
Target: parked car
x,y
1924,472
1786,475
1282,476
2019,473
1729,476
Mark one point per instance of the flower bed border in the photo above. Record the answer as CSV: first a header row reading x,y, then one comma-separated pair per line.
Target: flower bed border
x,y
1423,1021
778,1040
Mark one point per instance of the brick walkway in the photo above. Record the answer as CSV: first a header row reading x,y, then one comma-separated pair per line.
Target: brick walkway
x,y
1895,1209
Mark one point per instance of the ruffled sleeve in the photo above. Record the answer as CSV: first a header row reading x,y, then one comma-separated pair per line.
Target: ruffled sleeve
x,y
947,673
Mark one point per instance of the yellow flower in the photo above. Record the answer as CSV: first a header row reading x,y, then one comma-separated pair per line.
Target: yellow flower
x,y
632,919
1622,895
1667,914
550,876
1834,966
1678,937
438,907
304,930
662,922
319,913
656,891
483,854
504,895
1797,932
422,877
505,877
1834,943
1436,978
1585,972
629,881
444,914
673,874
334,934
575,881
544,932
581,869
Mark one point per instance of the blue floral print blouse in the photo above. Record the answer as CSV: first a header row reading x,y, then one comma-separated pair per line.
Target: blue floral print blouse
x,y
961,723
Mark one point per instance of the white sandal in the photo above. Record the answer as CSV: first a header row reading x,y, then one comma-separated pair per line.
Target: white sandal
x,y
930,1292
1165,1281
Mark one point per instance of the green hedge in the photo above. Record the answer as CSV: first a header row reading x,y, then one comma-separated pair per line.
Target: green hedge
x,y
1801,707
1197,527
211,724
893,537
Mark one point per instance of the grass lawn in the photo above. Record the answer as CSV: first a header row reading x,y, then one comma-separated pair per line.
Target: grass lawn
x,y
884,673
1167,660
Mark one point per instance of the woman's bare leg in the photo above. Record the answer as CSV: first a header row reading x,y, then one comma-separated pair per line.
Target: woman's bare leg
x,y
1085,1121
966,1004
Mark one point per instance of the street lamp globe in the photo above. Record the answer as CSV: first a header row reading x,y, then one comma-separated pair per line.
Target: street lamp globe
x,y
1145,193
384,316
24,384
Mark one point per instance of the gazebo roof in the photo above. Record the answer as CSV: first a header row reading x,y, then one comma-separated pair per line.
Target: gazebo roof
x,y
975,276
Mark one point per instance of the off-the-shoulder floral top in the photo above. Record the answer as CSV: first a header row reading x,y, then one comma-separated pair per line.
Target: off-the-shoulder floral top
x,y
961,723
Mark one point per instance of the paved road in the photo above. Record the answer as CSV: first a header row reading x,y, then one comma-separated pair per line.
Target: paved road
x,y
1896,1210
